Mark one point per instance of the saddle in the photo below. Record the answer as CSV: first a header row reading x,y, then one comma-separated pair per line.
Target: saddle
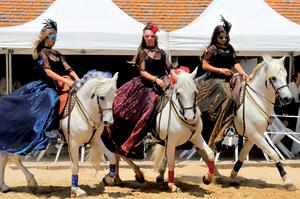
x,y
66,100
236,83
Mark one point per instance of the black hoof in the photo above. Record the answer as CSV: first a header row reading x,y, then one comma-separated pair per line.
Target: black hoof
x,y
205,181
104,181
234,184
140,179
159,180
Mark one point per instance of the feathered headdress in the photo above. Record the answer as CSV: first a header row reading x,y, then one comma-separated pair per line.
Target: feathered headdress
x,y
226,24
151,26
49,23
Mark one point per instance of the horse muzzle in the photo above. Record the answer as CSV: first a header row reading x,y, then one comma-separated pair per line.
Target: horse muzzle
x,y
285,100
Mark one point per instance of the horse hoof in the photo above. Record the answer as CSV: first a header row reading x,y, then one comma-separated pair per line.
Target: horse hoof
x,y
5,188
140,179
108,181
33,189
205,181
76,192
290,187
159,180
218,180
174,188
234,184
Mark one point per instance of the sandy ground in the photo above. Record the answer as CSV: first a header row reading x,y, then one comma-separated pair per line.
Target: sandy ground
x,y
257,180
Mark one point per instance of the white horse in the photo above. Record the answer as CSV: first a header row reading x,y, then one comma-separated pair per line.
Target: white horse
x,y
84,124
178,122
267,81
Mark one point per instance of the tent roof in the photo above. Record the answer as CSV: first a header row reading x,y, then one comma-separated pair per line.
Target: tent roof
x,y
256,29
84,27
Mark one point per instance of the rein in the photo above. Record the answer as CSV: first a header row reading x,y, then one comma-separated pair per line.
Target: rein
x,y
268,117
179,113
85,114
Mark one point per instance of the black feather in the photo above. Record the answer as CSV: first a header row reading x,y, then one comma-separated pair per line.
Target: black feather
x,y
50,24
226,24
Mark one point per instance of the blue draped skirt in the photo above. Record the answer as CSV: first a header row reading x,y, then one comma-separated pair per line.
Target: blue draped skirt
x,y
26,116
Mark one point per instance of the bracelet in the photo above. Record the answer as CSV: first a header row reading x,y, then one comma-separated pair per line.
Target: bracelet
x,y
154,80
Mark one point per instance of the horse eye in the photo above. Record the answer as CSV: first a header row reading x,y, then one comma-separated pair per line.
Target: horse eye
x,y
177,94
273,78
101,98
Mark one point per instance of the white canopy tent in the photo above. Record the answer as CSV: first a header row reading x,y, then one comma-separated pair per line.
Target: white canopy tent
x,y
256,29
84,27
91,27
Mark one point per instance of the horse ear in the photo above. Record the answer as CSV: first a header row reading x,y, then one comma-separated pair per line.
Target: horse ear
x,y
282,59
194,73
267,58
115,77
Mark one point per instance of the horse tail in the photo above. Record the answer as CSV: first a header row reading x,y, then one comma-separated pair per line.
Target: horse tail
x,y
158,156
94,156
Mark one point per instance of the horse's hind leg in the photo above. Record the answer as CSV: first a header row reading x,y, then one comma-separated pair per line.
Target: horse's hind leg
x,y
31,182
162,170
3,160
139,176
243,154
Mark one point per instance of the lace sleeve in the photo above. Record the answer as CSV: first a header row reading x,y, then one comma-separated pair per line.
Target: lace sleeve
x,y
210,52
140,59
67,67
45,58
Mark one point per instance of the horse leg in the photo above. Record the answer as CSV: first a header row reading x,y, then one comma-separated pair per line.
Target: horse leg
x,y
31,182
202,145
74,153
217,175
260,141
171,165
3,160
243,154
139,176
162,170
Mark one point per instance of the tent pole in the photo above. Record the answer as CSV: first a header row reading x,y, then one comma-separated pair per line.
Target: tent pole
x,y
10,51
6,72
291,66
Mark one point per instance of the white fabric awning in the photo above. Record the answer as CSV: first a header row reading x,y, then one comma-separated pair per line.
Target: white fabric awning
x,y
256,29
84,27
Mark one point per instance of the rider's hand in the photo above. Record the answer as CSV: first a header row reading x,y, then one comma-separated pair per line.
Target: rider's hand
x,y
226,71
160,82
69,82
245,76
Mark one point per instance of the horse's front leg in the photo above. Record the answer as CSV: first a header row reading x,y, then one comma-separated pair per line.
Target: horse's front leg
x,y
171,166
3,161
237,166
74,157
31,182
200,143
261,142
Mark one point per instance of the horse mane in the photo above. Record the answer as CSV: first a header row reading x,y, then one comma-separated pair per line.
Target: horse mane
x,y
185,82
102,78
256,70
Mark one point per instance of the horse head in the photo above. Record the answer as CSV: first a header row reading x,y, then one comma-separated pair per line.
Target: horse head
x,y
276,77
185,93
101,91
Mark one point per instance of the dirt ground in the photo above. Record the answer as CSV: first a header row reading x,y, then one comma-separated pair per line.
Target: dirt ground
x,y
257,180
